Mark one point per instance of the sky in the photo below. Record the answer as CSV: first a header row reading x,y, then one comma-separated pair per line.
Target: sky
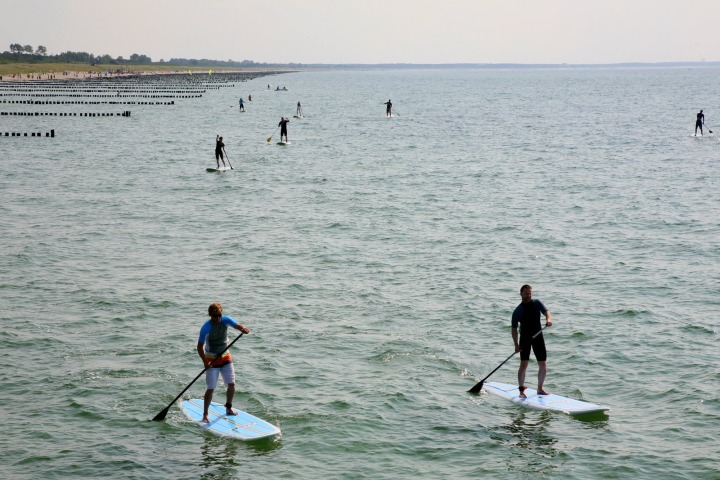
x,y
372,31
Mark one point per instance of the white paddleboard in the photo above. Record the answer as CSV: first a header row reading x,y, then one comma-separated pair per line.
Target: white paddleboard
x,y
534,401
283,143
221,169
242,426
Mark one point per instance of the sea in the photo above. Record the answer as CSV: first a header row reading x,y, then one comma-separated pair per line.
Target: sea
x,y
377,262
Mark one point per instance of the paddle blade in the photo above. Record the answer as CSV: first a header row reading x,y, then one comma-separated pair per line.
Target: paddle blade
x,y
709,130
269,139
478,386
161,416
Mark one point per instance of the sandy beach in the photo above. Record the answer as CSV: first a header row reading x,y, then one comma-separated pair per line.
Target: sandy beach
x,y
70,75
79,75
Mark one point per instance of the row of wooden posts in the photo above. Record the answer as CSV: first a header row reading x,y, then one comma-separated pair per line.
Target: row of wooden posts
x,y
66,114
93,96
51,133
75,102
113,91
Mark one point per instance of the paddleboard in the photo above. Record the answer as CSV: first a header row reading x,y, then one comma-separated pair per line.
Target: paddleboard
x,y
283,143
242,426
221,169
552,402
298,116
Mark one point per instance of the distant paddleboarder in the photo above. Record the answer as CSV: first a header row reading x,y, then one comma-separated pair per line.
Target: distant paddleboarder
x,y
299,110
283,128
388,108
242,105
699,122
219,149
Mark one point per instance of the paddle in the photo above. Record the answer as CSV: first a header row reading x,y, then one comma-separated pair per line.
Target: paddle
x,y
478,386
708,129
228,159
161,416
269,139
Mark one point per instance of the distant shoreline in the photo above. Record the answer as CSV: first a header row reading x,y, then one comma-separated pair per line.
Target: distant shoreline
x,y
503,66
65,71
79,71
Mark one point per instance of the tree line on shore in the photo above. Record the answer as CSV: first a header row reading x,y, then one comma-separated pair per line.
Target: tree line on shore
x,y
26,54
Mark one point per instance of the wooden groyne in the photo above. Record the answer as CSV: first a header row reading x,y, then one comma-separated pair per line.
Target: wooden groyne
x,y
78,102
50,134
65,114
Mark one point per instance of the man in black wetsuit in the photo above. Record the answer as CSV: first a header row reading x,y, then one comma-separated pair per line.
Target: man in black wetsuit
x,y
283,128
527,315
219,148
388,109
699,122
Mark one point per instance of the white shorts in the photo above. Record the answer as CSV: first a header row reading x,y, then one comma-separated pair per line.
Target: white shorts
x,y
212,374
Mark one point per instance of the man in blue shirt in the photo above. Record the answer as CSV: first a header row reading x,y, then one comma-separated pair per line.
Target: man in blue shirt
x,y
527,315
211,343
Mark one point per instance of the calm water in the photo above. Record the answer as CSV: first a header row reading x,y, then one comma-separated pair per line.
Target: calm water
x,y
376,262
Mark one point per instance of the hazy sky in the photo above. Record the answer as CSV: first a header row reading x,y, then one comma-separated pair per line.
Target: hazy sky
x,y
372,31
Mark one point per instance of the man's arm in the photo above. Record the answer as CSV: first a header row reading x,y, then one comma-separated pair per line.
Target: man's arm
x,y
515,339
548,318
242,328
201,352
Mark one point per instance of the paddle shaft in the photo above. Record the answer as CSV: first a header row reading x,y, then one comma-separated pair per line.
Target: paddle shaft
x,y
478,386
161,416
269,139
228,159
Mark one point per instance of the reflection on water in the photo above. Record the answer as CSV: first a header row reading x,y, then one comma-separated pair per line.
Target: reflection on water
x,y
221,457
533,448
532,440
598,420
